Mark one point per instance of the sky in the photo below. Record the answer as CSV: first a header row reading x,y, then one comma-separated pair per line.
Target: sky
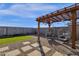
x,y
25,14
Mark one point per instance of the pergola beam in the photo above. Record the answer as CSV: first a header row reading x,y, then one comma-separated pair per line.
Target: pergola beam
x,y
58,18
54,19
62,16
65,10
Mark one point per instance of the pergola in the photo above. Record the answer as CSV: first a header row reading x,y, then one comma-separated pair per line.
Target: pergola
x,y
70,13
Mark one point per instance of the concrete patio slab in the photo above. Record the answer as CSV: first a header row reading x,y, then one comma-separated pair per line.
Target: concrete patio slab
x,y
26,48
34,53
4,49
59,41
13,53
77,45
35,37
46,49
64,50
76,50
57,54
25,43
35,44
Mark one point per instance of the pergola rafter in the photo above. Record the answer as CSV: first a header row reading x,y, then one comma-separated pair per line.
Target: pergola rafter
x,y
68,13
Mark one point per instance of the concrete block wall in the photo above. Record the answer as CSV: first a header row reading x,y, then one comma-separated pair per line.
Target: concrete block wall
x,y
54,30
15,30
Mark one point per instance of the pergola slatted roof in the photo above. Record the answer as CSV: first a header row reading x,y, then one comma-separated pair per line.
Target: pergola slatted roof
x,y
70,13
59,15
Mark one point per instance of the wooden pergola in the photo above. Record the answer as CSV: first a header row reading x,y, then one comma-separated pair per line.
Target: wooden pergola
x,y
70,13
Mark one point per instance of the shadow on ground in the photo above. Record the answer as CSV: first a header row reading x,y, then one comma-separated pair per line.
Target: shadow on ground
x,y
64,47
41,48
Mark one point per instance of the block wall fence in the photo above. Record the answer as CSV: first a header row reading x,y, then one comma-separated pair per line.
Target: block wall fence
x,y
16,31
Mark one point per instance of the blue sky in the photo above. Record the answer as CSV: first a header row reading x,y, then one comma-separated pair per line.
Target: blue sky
x,y
24,15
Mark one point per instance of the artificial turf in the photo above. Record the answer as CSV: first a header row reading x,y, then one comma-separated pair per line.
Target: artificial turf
x,y
14,39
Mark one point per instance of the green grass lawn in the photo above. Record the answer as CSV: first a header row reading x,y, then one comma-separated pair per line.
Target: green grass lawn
x,y
14,39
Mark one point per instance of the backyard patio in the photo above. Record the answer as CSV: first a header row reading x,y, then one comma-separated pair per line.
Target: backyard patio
x,y
31,47
34,42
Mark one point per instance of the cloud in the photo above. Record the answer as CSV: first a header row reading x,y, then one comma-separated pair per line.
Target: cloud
x,y
33,7
27,10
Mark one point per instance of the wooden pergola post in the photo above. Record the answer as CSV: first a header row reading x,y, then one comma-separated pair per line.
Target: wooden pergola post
x,y
49,27
74,33
38,30
39,42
